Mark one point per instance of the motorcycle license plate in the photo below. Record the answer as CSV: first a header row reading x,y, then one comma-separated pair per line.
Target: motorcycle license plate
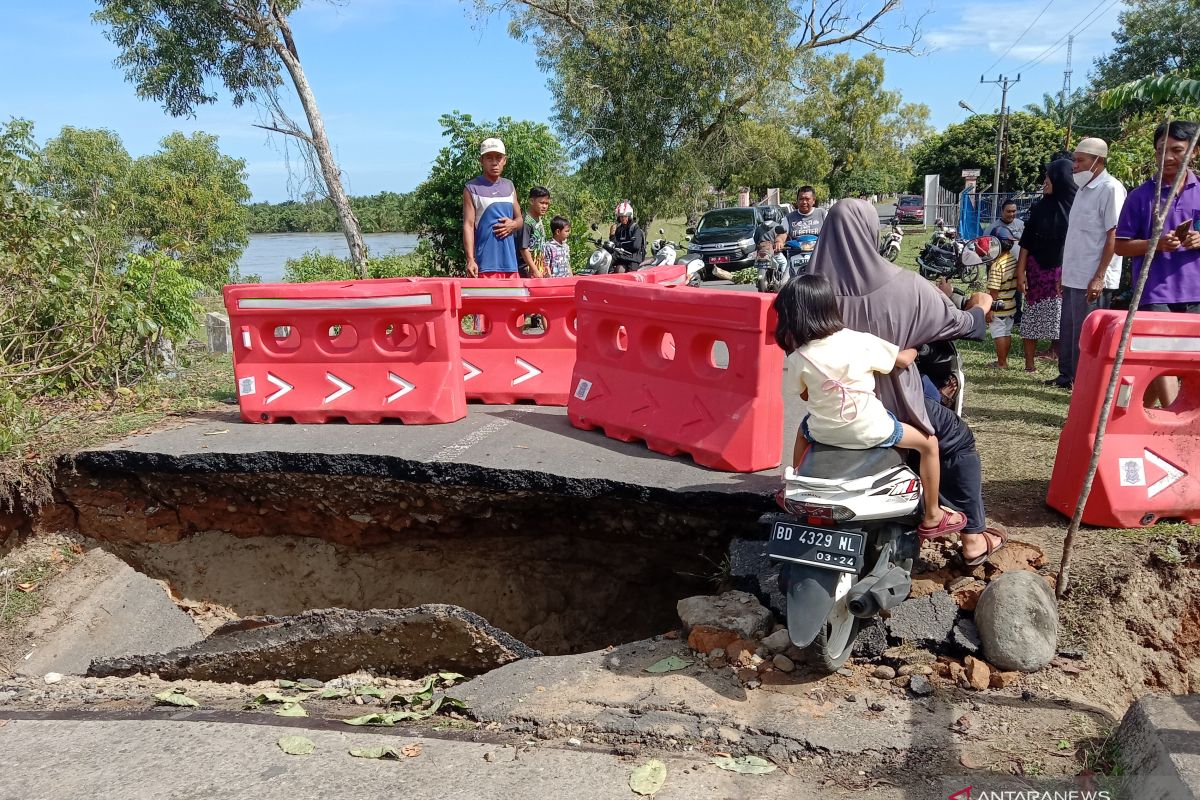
x,y
818,547
719,259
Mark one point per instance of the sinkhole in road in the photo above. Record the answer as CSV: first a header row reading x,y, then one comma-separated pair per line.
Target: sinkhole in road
x,y
564,574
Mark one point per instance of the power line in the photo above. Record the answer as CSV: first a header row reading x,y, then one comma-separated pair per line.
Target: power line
x,y
1095,14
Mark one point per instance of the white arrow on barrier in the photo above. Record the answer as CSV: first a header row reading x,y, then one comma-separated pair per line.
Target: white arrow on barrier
x,y
1174,473
343,387
472,370
284,388
405,387
530,371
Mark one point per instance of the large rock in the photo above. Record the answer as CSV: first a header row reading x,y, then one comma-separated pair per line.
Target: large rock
x,y
733,611
1017,619
409,642
924,621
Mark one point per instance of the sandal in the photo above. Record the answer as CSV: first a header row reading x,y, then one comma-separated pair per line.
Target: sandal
x,y
995,530
951,522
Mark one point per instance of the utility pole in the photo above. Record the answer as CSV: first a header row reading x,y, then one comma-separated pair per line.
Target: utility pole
x,y
1003,82
1066,92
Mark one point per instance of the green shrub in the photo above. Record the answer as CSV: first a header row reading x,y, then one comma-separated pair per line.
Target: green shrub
x,y
316,266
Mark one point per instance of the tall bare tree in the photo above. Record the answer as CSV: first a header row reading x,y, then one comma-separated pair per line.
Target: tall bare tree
x,y
172,49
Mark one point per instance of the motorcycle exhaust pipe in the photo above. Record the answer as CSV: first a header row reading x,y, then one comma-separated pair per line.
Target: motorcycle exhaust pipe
x,y
874,594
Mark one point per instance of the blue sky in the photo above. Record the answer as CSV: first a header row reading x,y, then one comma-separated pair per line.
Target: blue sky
x,y
384,70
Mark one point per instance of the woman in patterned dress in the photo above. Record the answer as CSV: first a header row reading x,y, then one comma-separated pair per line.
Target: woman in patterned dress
x,y
1040,264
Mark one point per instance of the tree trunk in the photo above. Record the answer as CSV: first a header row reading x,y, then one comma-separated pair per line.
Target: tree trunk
x,y
320,142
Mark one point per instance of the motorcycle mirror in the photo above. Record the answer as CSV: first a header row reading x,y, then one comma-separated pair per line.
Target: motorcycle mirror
x,y
594,227
661,232
690,230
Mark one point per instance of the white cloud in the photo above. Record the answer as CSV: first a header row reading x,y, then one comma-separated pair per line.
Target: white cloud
x,y
992,28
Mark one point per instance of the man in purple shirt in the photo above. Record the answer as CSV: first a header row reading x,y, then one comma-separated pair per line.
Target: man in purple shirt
x,y
1174,281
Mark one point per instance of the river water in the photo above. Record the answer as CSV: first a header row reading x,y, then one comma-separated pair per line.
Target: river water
x,y
267,252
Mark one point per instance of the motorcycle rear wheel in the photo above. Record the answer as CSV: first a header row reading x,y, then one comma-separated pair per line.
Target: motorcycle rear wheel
x,y
834,644
892,253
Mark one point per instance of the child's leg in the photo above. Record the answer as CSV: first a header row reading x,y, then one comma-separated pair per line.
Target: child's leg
x,y
931,470
1002,346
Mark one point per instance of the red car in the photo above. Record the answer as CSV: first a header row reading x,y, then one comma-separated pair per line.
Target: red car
x,y
911,208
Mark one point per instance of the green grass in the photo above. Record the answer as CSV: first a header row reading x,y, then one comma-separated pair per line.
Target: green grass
x,y
202,382
16,604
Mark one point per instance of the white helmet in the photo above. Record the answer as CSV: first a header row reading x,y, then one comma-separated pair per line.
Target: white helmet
x,y
624,209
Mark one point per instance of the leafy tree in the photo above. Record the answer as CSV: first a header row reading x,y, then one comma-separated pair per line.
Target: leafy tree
x,y
866,128
971,144
187,201
87,171
648,90
1153,37
72,317
764,155
435,210
173,50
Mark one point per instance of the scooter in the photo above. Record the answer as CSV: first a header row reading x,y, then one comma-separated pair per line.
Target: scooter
x,y
847,538
799,253
665,252
890,248
600,262
772,269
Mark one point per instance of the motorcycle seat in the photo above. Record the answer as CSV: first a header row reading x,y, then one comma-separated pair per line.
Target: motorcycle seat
x,y
837,463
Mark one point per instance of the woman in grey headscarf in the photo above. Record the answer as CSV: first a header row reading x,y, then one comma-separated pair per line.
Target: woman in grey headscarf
x,y
877,297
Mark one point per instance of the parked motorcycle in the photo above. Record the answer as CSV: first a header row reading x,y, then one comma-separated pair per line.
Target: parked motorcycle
x,y
943,234
890,247
665,252
965,262
848,537
773,273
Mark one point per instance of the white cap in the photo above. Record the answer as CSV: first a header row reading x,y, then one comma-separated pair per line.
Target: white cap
x,y
1092,147
492,145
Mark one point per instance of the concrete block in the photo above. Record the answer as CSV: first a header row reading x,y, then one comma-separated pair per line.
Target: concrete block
x,y
1159,746
217,326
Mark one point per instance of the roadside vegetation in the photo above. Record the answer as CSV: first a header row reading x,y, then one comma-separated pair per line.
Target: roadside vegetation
x,y
103,258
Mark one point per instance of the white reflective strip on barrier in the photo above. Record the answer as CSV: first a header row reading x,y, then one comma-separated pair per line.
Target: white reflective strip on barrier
x,y
338,303
246,339
1124,395
499,291
1165,344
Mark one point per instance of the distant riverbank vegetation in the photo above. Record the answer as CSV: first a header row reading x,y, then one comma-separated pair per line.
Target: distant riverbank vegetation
x,y
377,213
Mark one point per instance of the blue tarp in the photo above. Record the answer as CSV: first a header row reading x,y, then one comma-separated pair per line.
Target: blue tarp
x,y
968,215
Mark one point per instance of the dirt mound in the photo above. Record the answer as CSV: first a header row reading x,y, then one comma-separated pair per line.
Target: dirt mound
x,y
1138,621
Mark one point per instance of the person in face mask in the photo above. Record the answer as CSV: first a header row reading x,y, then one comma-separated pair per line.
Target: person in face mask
x,y
1090,269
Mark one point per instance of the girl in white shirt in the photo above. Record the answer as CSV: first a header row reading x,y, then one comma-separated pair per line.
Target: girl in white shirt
x,y
833,369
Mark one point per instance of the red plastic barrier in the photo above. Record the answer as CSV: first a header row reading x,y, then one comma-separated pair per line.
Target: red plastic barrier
x,y
693,371
1150,464
505,358
362,351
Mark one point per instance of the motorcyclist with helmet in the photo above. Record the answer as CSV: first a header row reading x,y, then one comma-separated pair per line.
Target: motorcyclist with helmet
x,y
627,237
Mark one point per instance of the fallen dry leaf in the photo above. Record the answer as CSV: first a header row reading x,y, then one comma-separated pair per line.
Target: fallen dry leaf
x,y
216,433
411,750
26,587
540,688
